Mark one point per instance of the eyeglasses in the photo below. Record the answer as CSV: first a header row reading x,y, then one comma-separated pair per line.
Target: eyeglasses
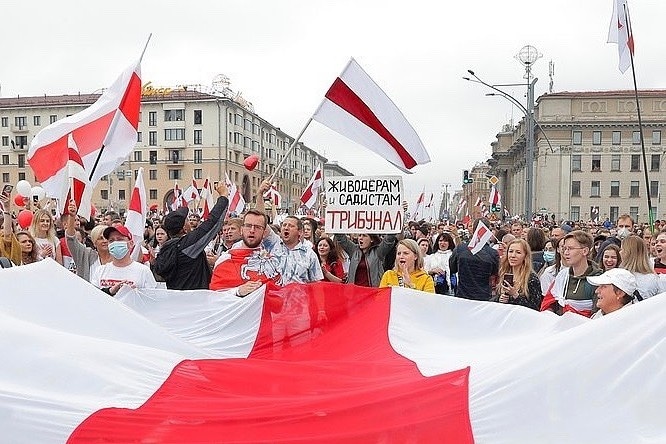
x,y
256,227
565,249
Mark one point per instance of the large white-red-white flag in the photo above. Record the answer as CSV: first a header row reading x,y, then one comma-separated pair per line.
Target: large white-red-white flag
x,y
356,107
620,32
481,236
311,192
389,365
104,133
136,214
236,200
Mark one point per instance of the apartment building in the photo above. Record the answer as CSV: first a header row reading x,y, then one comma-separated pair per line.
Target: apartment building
x,y
183,134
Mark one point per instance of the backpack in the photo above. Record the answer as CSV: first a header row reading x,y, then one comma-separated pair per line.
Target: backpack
x,y
167,259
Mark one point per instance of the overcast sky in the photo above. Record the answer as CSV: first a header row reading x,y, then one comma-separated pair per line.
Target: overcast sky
x,y
284,54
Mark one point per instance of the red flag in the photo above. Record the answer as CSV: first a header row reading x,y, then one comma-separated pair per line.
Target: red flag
x,y
107,127
620,33
309,197
357,108
136,214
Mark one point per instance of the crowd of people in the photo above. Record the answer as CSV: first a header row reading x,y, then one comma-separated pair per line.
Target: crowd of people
x,y
588,268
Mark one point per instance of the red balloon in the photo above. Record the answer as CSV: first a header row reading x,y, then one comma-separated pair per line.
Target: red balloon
x,y
24,218
251,162
19,200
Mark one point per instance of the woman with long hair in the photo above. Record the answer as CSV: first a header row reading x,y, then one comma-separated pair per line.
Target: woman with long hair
x,y
43,231
366,257
29,249
408,269
610,257
518,283
635,259
437,263
330,259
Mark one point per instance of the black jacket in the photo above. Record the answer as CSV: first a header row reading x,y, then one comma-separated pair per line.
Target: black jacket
x,y
474,271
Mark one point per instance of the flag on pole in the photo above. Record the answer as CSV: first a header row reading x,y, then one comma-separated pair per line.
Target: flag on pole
x,y
136,214
356,107
236,201
620,33
207,198
150,367
506,212
481,236
419,204
76,181
478,202
192,192
178,200
432,195
105,134
495,198
461,205
309,197
274,196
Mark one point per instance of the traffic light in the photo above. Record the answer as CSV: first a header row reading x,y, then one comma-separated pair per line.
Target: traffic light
x,y
466,178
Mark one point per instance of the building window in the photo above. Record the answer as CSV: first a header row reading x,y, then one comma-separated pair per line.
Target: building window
x,y
104,194
153,194
654,188
596,162
615,162
575,188
577,138
53,118
617,137
121,194
247,142
5,122
152,118
636,137
5,159
174,134
197,137
238,120
5,177
174,115
198,156
655,161
595,189
21,121
37,120
198,173
137,156
656,137
21,176
175,156
575,213
197,117
175,174
634,188
247,125
21,160
152,157
5,140
138,136
614,213
596,137
21,141
152,138
635,162
633,212
152,174
575,162
615,188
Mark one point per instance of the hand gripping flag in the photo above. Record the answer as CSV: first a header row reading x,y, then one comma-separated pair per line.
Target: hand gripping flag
x,y
357,108
236,201
309,197
620,32
389,365
105,134
136,214
481,236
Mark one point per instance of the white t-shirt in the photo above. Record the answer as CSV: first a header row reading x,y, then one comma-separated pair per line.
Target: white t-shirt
x,y
137,274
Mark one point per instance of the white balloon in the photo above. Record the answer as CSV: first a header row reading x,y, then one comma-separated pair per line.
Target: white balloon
x,y
38,192
24,188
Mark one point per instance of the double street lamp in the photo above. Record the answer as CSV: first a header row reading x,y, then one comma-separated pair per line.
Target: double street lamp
x,y
527,56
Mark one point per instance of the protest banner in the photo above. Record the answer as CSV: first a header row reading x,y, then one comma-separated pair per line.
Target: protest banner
x,y
359,204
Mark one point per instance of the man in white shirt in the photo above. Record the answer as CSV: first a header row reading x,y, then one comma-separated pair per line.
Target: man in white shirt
x,y
122,270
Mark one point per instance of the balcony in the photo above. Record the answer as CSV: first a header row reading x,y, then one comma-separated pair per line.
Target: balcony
x,y
19,128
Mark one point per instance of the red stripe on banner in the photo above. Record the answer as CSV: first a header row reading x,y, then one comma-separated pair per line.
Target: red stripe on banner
x,y
47,161
89,137
135,201
307,195
343,384
345,98
131,102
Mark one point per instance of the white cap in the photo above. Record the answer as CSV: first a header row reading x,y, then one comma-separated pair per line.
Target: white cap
x,y
621,278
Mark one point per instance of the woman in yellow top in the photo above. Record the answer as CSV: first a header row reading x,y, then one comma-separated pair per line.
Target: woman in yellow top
x,y
408,270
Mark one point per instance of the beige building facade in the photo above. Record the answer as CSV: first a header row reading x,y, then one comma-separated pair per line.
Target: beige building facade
x,y
588,159
182,134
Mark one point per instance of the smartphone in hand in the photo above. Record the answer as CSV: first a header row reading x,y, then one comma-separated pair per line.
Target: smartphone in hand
x,y
508,279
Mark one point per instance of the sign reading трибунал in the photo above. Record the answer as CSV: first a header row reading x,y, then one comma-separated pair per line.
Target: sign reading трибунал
x,y
356,204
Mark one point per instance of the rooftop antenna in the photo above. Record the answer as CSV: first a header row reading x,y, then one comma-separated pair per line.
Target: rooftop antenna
x,y
551,74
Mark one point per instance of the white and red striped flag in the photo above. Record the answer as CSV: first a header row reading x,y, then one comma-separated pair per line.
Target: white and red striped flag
x,y
432,195
105,134
356,107
178,200
273,196
478,202
620,32
192,192
309,197
495,198
236,201
207,198
76,181
154,366
136,214
481,236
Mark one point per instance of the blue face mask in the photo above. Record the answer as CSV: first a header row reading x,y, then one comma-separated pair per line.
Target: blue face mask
x,y
549,256
118,249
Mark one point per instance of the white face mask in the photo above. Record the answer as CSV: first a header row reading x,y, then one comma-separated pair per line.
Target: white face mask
x,y
623,233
